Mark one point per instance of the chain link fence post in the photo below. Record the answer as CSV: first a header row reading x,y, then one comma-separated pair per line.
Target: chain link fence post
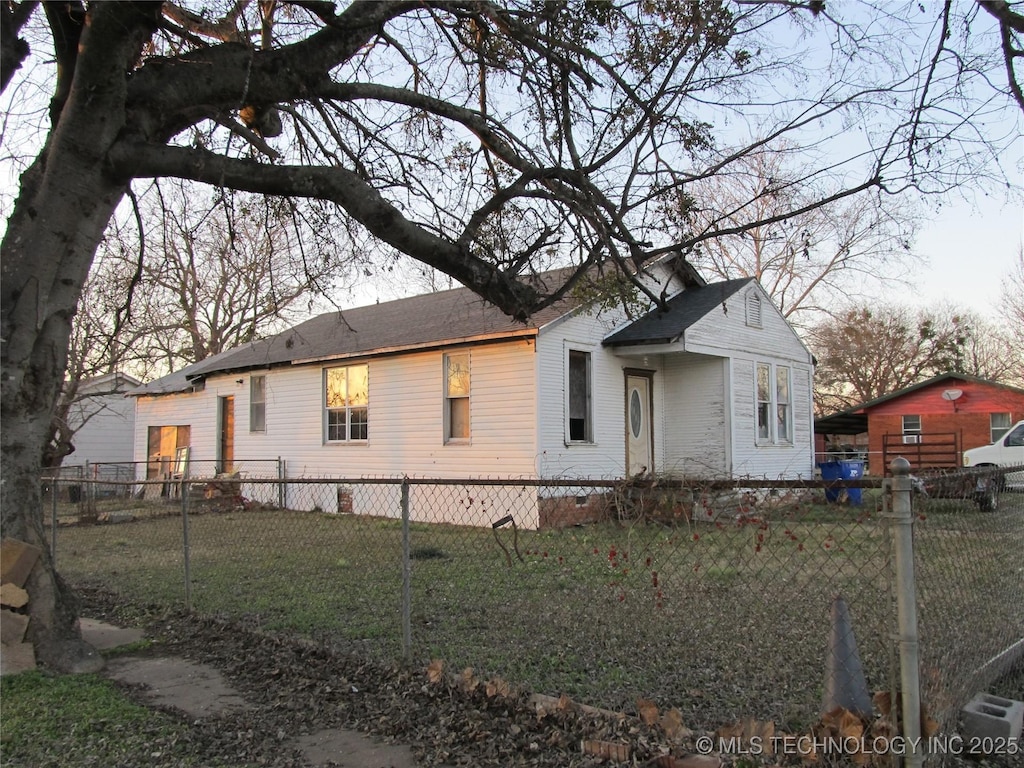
x,y
901,487
407,578
54,490
185,490
281,498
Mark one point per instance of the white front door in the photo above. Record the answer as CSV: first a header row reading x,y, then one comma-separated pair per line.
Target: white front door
x,y
639,437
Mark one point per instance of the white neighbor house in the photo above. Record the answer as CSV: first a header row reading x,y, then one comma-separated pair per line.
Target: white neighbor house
x,y
102,418
445,386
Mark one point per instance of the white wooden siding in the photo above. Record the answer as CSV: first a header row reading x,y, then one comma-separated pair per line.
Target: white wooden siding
x,y
605,456
197,410
704,414
724,331
695,416
104,428
405,418
406,435
787,460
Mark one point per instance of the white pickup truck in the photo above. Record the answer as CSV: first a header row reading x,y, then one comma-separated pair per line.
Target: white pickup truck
x,y
1007,451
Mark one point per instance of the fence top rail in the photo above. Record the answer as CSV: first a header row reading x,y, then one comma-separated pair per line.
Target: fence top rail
x,y
581,482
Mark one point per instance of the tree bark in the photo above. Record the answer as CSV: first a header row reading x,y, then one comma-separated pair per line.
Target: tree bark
x,y
65,204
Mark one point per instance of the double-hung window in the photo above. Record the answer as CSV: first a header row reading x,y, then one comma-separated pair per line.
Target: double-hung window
x,y
257,403
999,425
580,424
456,396
764,402
346,400
912,429
774,404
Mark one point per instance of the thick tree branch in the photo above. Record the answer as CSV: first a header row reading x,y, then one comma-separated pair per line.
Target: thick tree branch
x,y
1004,13
66,23
1011,23
343,187
13,48
167,96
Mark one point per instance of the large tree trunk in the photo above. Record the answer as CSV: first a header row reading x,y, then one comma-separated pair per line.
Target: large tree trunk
x,y
69,219
58,221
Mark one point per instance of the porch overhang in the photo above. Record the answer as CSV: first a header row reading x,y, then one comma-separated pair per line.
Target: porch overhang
x,y
644,350
665,326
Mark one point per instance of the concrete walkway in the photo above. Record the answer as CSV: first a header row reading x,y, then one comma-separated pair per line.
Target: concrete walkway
x,y
201,691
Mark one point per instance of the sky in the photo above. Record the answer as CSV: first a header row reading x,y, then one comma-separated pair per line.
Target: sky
x,y
969,254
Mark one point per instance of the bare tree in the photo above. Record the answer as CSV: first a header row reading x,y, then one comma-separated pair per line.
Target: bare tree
x,y
92,352
1012,299
868,351
483,140
805,262
993,351
1012,305
215,275
222,272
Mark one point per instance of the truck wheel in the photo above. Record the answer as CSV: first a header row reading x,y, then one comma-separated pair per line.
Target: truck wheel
x,y
999,482
988,496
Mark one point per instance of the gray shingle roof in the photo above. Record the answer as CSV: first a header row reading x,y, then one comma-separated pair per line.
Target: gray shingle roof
x,y
419,321
664,326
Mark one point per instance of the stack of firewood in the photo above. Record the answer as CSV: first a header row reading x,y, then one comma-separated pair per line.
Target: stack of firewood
x,y
16,562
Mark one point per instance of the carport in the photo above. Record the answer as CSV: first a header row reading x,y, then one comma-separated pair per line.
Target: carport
x,y
829,431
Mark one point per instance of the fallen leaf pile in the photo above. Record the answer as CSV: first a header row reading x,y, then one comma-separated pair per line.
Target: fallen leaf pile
x,y
448,717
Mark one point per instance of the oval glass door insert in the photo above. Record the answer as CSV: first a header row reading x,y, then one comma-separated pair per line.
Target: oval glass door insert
x,y
635,413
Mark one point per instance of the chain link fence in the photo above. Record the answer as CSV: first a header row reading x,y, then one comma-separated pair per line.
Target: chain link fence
x,y
713,598
969,560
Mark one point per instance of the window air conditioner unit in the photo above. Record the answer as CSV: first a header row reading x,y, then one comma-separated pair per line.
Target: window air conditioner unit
x,y
911,439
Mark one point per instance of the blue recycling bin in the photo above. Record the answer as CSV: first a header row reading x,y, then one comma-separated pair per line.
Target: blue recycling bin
x,y
852,470
842,470
830,471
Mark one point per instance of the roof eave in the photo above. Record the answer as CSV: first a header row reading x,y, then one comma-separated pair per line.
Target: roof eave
x,y
485,338
666,341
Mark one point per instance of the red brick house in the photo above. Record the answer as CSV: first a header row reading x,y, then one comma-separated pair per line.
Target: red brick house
x,y
931,423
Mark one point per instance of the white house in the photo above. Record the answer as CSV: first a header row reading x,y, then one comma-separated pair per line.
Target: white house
x,y
446,386
102,420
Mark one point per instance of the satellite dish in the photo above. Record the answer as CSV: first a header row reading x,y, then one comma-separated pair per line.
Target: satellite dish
x,y
952,394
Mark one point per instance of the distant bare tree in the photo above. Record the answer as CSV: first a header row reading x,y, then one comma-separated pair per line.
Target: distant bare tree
x,y
865,352
218,272
215,274
1012,306
806,262
93,352
991,350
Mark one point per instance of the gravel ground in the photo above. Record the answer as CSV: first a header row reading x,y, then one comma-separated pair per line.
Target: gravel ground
x,y
297,687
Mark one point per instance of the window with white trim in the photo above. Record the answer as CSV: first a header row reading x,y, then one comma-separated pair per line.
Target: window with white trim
x,y
764,402
911,429
999,425
579,424
257,403
774,403
347,401
456,396
783,405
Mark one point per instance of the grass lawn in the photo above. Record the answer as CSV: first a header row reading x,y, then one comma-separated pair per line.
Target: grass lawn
x,y
46,719
723,619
